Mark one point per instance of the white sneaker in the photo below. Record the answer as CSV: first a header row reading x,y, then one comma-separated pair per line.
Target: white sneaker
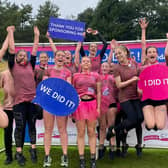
x,y
64,161
47,161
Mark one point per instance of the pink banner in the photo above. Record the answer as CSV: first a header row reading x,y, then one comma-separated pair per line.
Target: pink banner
x,y
135,50
154,82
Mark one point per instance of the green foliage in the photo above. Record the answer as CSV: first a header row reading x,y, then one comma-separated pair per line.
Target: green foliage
x,y
21,17
42,18
119,18
1,138
113,18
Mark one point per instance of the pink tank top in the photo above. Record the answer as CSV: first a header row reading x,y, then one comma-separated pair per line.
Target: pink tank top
x,y
6,82
86,83
24,83
107,89
63,73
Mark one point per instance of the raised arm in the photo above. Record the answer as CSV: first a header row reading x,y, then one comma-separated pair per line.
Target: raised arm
x,y
11,57
101,38
53,47
10,30
82,51
113,45
36,41
35,46
143,24
4,48
77,54
166,50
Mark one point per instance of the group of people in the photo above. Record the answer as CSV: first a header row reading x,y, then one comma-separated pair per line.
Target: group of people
x,y
108,95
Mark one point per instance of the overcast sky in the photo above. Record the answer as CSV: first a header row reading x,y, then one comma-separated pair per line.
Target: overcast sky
x,y
66,7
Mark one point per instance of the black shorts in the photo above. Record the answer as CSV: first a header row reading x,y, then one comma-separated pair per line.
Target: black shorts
x,y
153,102
113,105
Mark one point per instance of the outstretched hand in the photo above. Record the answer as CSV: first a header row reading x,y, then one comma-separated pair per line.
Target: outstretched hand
x,y
89,30
113,44
95,32
143,23
10,28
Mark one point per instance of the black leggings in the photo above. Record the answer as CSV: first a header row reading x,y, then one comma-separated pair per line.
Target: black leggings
x,y
119,118
8,133
134,115
24,112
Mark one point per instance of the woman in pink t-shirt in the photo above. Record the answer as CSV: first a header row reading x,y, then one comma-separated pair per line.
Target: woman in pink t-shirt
x,y
39,70
6,83
58,71
69,63
108,108
93,48
126,77
155,112
88,86
22,71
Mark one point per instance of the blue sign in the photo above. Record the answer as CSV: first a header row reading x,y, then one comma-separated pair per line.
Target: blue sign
x,y
66,29
57,96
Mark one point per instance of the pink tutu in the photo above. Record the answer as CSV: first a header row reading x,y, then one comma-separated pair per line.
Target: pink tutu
x,y
86,110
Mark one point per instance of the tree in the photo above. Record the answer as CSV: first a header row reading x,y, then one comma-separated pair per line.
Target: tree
x,y
12,14
42,18
87,17
119,18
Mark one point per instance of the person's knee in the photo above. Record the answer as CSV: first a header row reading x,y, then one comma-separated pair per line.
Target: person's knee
x,y
102,126
48,129
160,125
81,133
91,132
150,124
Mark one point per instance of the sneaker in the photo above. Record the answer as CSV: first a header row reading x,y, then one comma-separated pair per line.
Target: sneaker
x,y
101,152
64,161
138,150
118,152
8,160
111,154
93,163
124,150
33,154
82,163
47,161
110,134
20,158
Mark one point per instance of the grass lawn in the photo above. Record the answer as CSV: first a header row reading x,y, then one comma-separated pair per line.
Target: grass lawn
x,y
1,139
152,158
1,130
